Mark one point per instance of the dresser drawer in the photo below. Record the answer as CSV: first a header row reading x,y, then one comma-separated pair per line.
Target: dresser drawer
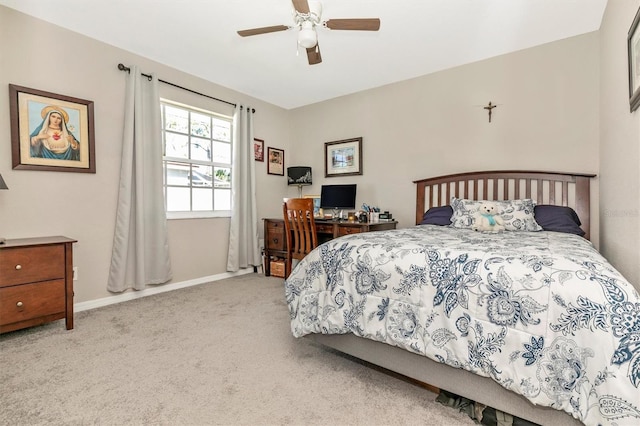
x,y
275,236
348,230
28,301
31,264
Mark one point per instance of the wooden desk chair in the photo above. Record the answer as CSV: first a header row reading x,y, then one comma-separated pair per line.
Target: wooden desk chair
x,y
300,229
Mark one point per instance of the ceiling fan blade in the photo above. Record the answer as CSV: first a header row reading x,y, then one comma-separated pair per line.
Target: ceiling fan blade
x,y
362,24
313,55
263,30
301,6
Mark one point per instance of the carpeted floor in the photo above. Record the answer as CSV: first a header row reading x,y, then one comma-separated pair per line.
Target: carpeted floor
x,y
219,353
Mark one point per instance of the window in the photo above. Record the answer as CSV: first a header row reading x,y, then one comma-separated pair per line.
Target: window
x,y
196,162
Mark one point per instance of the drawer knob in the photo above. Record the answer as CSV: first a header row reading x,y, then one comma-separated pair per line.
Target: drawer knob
x,y
19,304
18,267
275,241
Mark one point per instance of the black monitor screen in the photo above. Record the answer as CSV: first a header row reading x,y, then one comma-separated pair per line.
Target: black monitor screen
x,y
338,196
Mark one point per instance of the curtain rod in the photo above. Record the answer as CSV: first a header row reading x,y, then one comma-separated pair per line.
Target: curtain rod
x,y
122,67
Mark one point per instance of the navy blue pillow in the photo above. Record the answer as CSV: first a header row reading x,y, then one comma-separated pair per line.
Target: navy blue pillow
x,y
437,216
558,219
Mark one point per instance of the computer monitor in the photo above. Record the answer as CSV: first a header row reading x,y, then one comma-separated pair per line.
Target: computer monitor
x,y
338,197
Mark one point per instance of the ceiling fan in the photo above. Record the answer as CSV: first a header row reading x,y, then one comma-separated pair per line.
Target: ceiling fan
x,y
306,17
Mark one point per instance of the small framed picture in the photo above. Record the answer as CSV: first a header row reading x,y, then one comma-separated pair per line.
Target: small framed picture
x,y
51,132
275,164
317,211
258,149
343,158
633,47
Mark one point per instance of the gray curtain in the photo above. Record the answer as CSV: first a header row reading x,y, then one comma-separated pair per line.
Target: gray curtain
x,y
140,254
244,242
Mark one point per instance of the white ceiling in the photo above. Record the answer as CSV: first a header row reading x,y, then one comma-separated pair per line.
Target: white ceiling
x,y
416,37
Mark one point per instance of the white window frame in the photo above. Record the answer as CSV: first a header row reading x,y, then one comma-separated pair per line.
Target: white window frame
x,y
194,214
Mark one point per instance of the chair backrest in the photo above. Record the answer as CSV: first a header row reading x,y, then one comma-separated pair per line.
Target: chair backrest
x,y
300,226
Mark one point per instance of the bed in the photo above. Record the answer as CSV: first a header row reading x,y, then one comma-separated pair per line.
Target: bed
x,y
531,322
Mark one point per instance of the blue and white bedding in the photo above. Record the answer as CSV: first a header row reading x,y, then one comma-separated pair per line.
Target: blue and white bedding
x,y
541,313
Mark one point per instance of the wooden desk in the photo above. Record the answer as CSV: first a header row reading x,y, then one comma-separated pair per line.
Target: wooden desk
x,y
275,242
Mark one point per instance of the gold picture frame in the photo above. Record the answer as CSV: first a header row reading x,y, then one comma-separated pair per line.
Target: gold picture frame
x,y
51,132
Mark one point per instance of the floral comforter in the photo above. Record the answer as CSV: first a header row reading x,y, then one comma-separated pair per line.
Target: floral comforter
x,y
541,313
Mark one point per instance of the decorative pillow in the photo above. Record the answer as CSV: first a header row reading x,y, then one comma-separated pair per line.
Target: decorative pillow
x,y
558,219
508,215
437,216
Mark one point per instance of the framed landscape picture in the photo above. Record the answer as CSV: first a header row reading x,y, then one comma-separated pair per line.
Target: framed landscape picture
x,y
343,158
51,132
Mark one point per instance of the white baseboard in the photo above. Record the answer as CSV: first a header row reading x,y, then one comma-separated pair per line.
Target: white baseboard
x,y
130,295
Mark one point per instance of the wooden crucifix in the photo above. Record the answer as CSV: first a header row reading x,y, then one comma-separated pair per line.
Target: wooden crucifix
x,y
490,108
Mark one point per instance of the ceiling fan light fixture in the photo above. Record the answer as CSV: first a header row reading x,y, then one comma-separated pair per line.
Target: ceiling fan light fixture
x,y
307,36
307,16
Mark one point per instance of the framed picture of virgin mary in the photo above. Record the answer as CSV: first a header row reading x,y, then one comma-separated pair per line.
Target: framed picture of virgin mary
x,y
51,132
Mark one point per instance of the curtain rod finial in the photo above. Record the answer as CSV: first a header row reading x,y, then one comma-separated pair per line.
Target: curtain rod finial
x,y
121,67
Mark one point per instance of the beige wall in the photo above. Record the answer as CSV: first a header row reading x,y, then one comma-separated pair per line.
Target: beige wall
x,y
619,147
39,55
548,117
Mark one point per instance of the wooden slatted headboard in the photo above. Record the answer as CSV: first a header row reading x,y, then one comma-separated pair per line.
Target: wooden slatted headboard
x,y
555,188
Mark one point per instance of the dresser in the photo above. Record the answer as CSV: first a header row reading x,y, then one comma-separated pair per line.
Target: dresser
x,y
36,282
275,242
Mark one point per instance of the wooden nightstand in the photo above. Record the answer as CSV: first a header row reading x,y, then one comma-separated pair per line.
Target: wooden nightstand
x,y
275,243
36,282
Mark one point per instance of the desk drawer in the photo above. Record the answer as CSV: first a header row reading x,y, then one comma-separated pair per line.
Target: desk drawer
x,y
348,230
28,301
324,228
275,236
31,264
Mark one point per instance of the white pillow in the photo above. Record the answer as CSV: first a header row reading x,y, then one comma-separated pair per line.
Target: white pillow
x,y
508,215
